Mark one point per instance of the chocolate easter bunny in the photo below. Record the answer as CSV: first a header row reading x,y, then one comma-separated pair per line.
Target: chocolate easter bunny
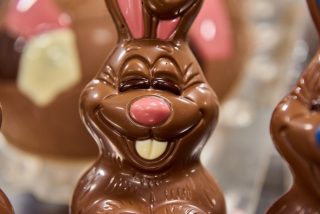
x,y
295,130
5,206
151,111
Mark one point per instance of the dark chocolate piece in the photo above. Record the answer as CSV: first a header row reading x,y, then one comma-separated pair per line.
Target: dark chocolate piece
x,y
295,130
5,205
150,135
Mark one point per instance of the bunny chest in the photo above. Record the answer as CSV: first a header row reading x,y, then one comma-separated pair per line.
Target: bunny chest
x,y
189,191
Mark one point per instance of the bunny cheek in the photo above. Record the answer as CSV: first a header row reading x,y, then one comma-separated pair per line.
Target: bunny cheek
x,y
296,137
302,136
115,114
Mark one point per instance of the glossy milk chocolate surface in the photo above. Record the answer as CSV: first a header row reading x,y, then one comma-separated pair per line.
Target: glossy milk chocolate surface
x,y
5,205
295,130
150,110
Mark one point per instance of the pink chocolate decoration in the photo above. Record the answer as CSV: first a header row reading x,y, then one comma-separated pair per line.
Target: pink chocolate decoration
x,y
132,12
211,33
166,28
29,18
150,111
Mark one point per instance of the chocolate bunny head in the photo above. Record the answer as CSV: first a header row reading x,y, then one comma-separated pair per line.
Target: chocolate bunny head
x,y
150,105
296,121
295,128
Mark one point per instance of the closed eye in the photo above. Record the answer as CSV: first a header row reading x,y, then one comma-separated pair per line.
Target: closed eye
x,y
167,85
134,83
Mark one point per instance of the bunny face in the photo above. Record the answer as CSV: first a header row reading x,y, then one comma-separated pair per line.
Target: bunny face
x,y
295,129
300,129
150,106
151,103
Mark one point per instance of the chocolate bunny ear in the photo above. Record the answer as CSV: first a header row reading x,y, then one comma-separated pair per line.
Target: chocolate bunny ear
x,y
170,20
314,7
187,20
153,19
121,11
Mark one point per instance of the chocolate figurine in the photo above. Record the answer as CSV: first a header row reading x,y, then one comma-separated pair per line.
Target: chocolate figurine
x,y
5,206
295,130
150,110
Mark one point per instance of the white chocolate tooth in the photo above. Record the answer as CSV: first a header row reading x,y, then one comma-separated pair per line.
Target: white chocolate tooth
x,y
150,149
49,65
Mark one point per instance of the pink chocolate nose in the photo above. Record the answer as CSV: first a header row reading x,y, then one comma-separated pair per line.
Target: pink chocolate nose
x,y
150,111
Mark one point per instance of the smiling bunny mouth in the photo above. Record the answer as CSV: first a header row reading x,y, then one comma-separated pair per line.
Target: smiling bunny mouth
x,y
150,149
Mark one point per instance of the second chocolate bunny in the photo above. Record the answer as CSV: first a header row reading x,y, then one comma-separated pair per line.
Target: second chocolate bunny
x,y
295,130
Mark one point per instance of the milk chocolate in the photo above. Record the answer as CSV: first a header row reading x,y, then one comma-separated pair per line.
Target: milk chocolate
x,y
295,131
5,205
151,111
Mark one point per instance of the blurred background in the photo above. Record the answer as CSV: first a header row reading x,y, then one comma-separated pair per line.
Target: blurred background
x,y
251,52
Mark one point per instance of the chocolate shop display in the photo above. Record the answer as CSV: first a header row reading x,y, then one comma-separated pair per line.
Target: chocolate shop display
x,y
135,109
51,131
296,135
56,165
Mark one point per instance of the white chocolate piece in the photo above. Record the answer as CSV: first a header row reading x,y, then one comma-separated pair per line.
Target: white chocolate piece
x,y
150,149
49,65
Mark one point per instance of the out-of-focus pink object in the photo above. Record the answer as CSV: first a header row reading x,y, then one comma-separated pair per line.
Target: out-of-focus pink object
x,y
211,33
166,28
132,12
150,111
29,18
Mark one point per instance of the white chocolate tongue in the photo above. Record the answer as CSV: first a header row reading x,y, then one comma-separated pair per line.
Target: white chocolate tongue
x,y
49,65
150,149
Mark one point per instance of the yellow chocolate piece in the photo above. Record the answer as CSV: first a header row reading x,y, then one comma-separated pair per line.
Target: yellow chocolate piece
x,y
49,66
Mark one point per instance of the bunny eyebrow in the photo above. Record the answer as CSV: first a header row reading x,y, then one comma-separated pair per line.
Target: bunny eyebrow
x,y
166,48
133,48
